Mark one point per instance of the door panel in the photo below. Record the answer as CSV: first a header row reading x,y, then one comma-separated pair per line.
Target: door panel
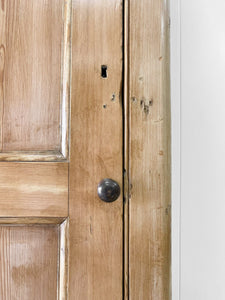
x,y
33,79
28,270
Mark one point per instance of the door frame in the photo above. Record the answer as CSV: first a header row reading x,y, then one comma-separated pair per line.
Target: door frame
x,y
147,277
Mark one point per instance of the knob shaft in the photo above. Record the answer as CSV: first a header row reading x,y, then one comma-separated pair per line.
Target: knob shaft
x,y
108,190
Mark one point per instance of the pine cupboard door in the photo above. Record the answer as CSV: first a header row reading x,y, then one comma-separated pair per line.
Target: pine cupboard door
x,y
60,135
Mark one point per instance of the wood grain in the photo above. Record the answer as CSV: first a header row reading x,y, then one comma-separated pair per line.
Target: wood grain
x,y
28,262
149,150
31,38
33,189
96,227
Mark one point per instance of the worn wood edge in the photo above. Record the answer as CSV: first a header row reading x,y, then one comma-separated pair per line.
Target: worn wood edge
x,y
24,156
31,220
63,266
126,150
65,93
166,96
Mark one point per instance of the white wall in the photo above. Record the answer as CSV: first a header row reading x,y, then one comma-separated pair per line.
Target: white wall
x,y
175,124
198,149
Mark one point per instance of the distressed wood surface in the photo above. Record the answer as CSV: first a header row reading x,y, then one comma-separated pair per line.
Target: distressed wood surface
x,y
96,227
149,150
28,262
33,189
34,89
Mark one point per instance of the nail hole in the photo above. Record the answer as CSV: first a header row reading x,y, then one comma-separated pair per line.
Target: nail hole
x,y
104,71
104,105
113,97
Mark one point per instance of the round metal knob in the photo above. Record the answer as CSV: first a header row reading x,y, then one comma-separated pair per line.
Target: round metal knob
x,y
108,190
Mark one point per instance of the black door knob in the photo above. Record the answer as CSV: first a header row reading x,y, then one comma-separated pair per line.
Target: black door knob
x,y
108,190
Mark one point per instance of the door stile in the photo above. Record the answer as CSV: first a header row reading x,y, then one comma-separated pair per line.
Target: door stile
x,y
96,227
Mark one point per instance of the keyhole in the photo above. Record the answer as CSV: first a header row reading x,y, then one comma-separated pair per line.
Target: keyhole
x,y
104,71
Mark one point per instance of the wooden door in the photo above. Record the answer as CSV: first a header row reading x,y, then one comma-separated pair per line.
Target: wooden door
x,y
61,134
70,116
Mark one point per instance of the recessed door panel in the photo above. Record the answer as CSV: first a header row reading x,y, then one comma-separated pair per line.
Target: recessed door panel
x,y
28,262
33,54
